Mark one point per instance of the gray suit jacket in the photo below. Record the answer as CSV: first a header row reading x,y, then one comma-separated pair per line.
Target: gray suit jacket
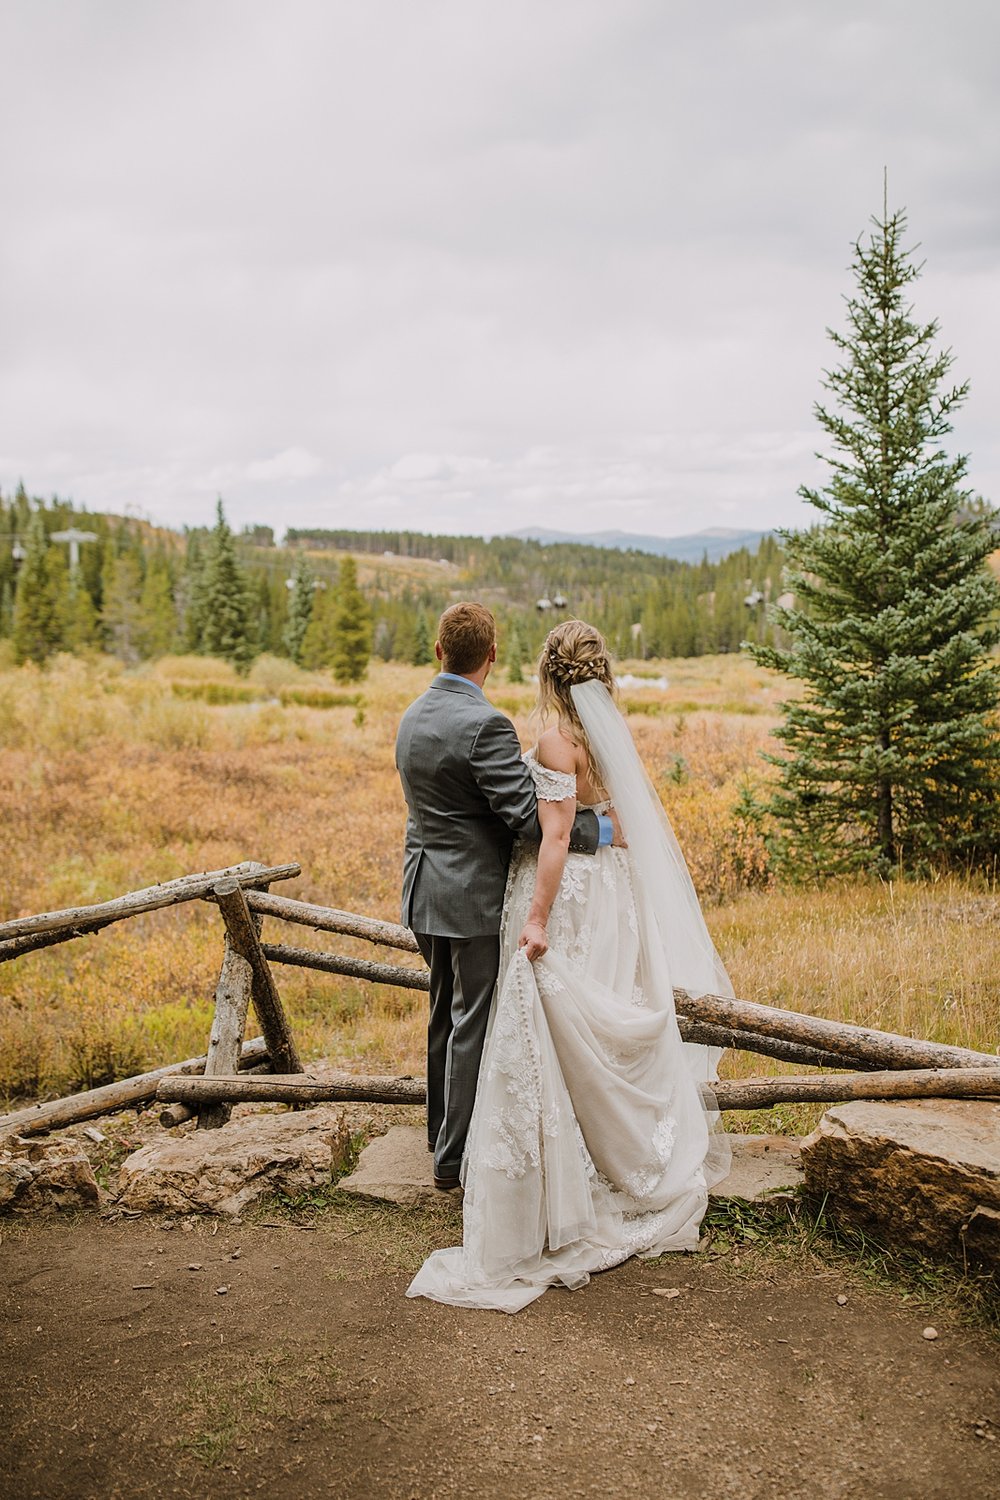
x,y
469,795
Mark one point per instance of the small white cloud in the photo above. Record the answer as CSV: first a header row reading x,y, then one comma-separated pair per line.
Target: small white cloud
x,y
426,468
419,466
292,463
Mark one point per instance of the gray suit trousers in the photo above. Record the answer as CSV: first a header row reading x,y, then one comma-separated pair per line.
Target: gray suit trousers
x,y
463,977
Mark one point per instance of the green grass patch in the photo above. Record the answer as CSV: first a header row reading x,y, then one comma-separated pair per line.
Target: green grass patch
x,y
307,697
215,692
229,1407
651,707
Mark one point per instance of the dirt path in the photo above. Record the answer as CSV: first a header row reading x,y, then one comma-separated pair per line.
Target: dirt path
x,y
125,1374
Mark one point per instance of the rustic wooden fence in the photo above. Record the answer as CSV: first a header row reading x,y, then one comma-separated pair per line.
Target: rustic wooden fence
x,y
870,1064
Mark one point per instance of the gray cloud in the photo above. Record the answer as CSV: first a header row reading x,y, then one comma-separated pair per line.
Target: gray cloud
x,y
461,266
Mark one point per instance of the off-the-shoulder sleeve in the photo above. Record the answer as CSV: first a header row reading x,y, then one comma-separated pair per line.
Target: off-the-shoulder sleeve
x,y
551,786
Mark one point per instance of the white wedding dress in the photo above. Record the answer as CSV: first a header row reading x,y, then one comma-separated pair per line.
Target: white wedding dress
x,y
592,1138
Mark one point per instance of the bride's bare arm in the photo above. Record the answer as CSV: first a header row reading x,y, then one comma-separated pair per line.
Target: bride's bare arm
x,y
556,820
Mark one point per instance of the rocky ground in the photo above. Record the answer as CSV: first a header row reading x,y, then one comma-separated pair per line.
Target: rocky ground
x,y
157,1358
150,1355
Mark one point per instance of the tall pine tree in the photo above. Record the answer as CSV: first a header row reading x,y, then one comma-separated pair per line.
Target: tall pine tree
x,y
226,628
352,627
121,615
300,607
892,759
192,592
515,655
35,627
423,643
157,609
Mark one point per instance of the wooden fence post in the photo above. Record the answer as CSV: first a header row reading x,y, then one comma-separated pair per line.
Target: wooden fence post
x,y
243,937
232,998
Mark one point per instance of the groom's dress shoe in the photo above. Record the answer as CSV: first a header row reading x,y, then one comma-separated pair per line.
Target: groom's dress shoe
x,y
447,1184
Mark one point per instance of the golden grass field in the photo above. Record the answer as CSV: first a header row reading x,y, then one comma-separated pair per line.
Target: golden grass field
x,y
113,780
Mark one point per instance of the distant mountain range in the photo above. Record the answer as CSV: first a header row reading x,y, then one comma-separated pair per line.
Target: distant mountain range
x,y
715,541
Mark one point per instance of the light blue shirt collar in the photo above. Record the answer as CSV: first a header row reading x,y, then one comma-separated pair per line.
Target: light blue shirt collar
x,y
456,677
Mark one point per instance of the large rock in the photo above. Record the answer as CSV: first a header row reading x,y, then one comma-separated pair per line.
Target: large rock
x,y
36,1175
765,1168
221,1171
398,1168
923,1174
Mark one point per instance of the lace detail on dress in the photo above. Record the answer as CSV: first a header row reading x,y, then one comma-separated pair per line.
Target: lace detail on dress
x,y
573,885
550,786
514,1123
641,1183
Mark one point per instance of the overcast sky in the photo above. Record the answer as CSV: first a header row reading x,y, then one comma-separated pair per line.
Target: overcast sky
x,y
467,266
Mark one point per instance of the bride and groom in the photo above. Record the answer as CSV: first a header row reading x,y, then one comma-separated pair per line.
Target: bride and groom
x,y
553,907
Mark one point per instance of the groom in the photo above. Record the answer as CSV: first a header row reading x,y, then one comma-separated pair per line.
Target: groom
x,y
469,794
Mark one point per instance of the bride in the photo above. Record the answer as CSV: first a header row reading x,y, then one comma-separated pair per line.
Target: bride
x,y
593,1137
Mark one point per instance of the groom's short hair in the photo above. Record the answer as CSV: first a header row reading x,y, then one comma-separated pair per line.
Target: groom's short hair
x,y
466,634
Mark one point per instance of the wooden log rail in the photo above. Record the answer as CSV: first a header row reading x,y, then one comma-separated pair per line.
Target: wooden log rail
x,y
727,1094
709,1019
357,968
836,1088
895,1066
712,1020
294,1088
328,919
728,1038
25,934
127,1093
853,1044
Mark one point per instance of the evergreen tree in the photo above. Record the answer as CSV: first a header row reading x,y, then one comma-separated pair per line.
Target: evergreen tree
x,y
158,612
35,628
192,591
515,655
60,591
318,641
76,623
79,625
300,607
6,607
121,615
891,759
383,639
277,613
226,628
423,646
352,627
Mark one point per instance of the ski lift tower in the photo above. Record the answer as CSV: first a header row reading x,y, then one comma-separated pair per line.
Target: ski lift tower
x,y
74,536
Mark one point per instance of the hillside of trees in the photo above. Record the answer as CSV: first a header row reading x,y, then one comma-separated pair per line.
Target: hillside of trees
x,y
329,599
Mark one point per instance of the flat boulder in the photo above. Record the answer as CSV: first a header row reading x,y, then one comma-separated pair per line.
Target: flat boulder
x,y
764,1168
39,1175
923,1174
398,1168
221,1171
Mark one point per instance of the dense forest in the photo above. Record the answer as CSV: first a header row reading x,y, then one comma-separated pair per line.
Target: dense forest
x,y
328,599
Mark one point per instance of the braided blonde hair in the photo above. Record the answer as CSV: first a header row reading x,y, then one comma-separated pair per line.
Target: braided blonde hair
x,y
573,652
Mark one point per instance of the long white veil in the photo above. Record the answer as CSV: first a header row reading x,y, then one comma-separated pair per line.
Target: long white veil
x,y
682,954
